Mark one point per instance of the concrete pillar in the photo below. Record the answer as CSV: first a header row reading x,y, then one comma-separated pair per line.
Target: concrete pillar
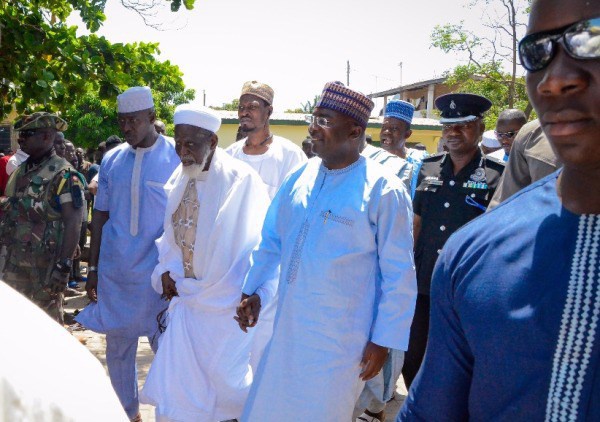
x,y
430,99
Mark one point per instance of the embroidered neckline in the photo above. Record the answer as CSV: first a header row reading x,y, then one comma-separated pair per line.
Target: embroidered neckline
x,y
351,167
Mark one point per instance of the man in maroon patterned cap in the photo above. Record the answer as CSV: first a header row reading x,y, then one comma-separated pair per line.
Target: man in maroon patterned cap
x,y
340,230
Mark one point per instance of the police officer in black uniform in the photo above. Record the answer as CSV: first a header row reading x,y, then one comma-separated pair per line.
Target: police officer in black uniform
x,y
452,189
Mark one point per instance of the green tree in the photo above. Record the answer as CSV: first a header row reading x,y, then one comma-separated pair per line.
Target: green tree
x,y
309,105
91,121
491,67
232,106
44,65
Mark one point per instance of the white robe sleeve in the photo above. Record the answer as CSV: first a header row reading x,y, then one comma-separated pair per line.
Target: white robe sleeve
x,y
396,303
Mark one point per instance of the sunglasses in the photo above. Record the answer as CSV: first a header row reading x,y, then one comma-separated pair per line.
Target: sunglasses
x,y
506,135
580,40
27,133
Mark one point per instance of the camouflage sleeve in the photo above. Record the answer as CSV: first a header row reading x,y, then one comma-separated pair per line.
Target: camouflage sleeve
x,y
61,186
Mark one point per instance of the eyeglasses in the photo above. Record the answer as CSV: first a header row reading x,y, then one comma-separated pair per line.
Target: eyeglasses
x,y
27,133
250,107
458,125
580,40
505,135
319,121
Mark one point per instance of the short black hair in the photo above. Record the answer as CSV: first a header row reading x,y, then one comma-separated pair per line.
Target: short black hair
x,y
112,140
513,114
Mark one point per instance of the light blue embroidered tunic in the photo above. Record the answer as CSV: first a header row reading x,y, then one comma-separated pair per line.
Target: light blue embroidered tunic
x,y
130,188
344,241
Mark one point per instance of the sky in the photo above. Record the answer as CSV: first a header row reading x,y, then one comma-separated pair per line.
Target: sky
x,y
295,46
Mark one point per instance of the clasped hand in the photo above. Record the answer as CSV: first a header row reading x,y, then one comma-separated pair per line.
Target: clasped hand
x,y
248,311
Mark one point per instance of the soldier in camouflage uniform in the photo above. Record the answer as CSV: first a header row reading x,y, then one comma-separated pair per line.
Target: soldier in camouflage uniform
x,y
41,219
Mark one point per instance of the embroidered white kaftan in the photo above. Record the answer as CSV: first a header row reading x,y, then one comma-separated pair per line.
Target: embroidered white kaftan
x,y
201,370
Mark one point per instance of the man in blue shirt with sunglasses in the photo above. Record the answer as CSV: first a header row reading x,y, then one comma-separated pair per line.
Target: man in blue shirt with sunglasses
x,y
515,296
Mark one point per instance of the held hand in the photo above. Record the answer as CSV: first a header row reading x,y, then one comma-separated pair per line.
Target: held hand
x,y
91,286
168,285
58,281
373,359
248,311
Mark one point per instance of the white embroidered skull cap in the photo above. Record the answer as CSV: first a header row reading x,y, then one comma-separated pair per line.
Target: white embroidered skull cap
x,y
197,115
135,99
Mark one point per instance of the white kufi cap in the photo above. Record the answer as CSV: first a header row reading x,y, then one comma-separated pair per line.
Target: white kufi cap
x,y
135,99
196,115
489,140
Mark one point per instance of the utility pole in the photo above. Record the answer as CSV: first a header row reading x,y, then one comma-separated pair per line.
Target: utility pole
x,y
348,73
400,64
204,97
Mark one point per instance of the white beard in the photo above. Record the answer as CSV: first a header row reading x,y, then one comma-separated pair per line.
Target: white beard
x,y
195,170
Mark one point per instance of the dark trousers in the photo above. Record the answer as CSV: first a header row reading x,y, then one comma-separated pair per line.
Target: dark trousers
x,y
76,271
417,341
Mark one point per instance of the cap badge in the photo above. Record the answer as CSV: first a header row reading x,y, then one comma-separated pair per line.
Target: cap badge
x,y
452,105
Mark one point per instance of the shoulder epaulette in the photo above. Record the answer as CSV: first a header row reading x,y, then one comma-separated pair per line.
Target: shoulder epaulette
x,y
494,160
435,157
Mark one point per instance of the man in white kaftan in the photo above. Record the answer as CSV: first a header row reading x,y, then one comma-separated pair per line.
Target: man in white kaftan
x,y
273,158
341,228
201,371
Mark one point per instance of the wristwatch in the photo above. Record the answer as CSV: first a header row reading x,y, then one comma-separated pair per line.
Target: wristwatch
x,y
64,265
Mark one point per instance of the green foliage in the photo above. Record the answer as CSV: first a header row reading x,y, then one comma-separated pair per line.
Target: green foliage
x,y
232,106
91,121
295,110
309,106
487,53
490,81
46,66
453,37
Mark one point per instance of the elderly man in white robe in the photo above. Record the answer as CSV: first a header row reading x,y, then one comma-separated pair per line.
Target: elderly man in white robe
x,y
215,209
341,228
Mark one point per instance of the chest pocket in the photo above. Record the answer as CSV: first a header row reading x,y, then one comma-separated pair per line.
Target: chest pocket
x,y
32,199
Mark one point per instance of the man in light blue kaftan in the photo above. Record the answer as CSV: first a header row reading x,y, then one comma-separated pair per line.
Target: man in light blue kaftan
x,y
515,296
128,218
341,228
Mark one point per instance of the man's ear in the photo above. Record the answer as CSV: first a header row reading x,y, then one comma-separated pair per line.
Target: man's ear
x,y
214,141
152,117
270,110
356,132
407,133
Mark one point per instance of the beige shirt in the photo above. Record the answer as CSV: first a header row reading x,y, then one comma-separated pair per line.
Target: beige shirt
x,y
531,159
